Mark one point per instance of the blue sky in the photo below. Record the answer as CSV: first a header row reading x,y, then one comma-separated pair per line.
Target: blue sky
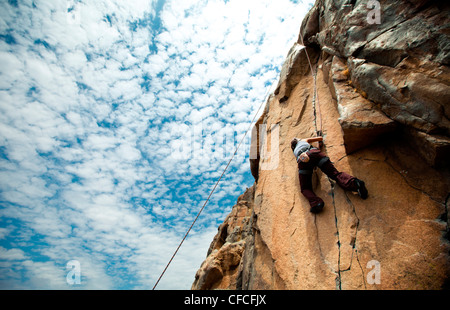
x,y
116,119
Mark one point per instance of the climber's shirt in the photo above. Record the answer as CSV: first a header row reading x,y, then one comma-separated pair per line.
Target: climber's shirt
x,y
302,146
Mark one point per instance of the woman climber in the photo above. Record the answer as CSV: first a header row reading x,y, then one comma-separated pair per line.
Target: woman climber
x,y
309,157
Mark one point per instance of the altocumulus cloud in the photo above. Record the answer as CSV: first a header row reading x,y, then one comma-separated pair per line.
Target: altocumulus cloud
x,y
116,119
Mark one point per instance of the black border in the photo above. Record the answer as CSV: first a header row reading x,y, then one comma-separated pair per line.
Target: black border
x,y
226,299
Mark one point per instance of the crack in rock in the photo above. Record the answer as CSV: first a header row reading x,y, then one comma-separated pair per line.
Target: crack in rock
x,y
338,271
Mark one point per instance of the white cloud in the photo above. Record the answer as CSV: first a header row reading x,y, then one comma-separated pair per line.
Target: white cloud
x,y
12,254
93,103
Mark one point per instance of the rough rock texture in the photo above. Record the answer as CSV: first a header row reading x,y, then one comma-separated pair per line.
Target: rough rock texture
x,y
383,91
224,264
400,64
294,68
362,123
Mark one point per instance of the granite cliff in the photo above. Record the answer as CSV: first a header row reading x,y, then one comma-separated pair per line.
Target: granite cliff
x,y
383,99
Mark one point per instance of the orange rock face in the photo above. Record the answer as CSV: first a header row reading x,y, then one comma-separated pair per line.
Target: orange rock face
x,y
398,238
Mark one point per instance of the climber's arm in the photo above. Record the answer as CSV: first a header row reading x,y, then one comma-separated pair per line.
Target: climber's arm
x,y
314,139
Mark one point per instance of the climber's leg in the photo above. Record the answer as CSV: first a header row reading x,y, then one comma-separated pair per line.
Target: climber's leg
x,y
322,161
345,180
305,176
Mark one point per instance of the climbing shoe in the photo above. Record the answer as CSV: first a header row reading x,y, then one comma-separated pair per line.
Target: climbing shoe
x,y
317,208
361,189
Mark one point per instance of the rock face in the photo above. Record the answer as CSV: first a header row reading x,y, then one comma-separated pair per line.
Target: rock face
x,y
383,99
400,64
223,267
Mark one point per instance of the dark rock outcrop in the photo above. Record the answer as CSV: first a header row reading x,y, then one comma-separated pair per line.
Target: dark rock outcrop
x,y
401,64
225,263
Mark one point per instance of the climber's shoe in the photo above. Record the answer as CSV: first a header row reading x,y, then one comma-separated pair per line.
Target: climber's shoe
x,y
361,189
317,208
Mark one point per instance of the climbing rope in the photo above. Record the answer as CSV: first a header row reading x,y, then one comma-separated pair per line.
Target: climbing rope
x,y
318,132
316,103
316,106
212,191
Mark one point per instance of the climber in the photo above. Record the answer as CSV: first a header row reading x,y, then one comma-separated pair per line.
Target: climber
x,y
308,157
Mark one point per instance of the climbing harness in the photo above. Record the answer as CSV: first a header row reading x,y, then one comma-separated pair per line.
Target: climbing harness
x,y
212,191
323,161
